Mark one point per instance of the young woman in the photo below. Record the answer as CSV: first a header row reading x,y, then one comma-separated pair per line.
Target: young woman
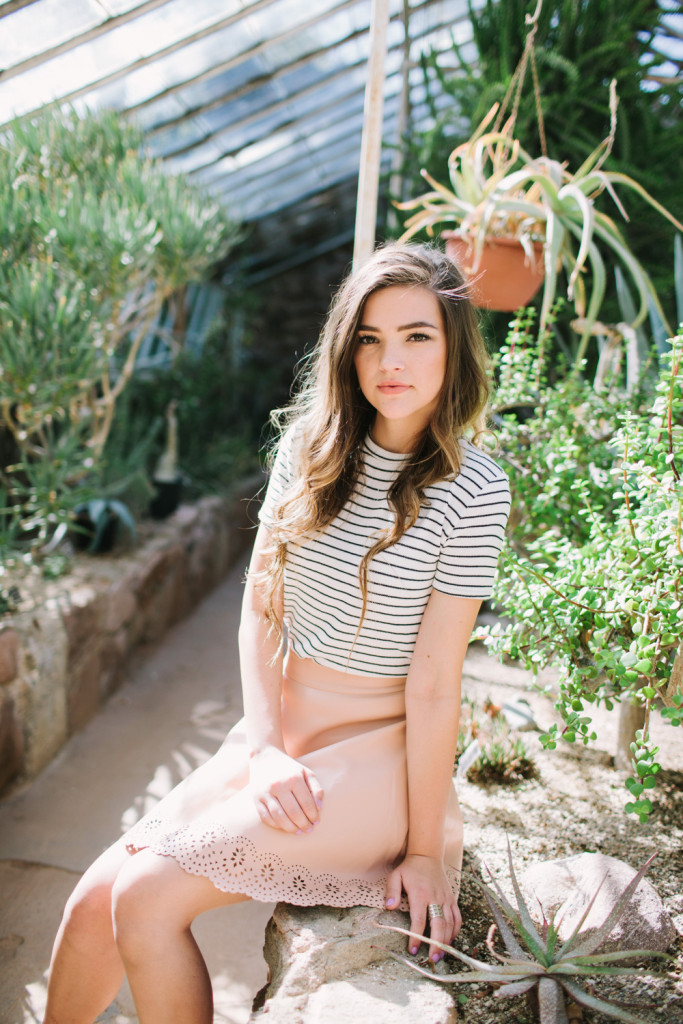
x,y
379,536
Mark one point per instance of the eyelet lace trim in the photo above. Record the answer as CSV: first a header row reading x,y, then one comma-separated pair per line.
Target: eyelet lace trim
x,y
235,864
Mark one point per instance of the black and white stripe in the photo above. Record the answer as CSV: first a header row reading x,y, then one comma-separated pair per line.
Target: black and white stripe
x,y
453,547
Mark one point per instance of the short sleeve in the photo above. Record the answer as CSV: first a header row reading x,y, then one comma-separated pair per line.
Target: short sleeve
x,y
279,481
473,539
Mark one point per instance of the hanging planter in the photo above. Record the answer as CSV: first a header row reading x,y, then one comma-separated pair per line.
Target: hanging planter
x,y
505,278
496,190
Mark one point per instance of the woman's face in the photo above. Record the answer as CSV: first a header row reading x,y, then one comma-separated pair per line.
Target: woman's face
x,y
400,361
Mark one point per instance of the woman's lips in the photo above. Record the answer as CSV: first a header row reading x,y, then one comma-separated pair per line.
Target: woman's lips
x,y
393,388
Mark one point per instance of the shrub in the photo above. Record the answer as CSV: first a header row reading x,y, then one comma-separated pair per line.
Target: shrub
x,y
592,575
93,237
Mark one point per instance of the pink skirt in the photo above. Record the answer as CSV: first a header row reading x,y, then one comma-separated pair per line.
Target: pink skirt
x,y
354,741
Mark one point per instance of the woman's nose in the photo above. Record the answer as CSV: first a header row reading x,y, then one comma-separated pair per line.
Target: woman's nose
x,y
391,357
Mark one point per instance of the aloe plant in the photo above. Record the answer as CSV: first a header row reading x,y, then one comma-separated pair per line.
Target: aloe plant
x,y
536,960
499,189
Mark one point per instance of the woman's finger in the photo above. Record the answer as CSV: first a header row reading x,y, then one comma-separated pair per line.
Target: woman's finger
x,y
294,811
276,816
306,813
418,919
457,921
264,814
392,895
316,790
439,930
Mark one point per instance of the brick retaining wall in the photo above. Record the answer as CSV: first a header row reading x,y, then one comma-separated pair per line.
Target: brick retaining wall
x,y
63,653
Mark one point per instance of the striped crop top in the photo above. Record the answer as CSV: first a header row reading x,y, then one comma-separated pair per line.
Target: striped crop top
x,y
452,547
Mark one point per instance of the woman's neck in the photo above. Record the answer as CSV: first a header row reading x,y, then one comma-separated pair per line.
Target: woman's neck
x,y
397,437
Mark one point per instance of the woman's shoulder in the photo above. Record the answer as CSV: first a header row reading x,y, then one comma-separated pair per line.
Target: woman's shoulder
x,y
478,462
479,477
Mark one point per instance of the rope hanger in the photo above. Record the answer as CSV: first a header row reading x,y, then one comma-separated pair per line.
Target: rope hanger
x,y
517,81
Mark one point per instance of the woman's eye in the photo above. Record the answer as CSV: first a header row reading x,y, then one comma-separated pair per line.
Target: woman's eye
x,y
366,339
419,337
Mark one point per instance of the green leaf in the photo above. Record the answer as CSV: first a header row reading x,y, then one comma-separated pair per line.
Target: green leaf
x,y
601,1005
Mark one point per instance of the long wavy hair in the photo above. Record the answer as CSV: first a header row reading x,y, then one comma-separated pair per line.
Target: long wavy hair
x,y
329,417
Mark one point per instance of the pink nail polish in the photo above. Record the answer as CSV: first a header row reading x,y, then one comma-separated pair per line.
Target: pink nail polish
x,y
413,950
436,958
390,902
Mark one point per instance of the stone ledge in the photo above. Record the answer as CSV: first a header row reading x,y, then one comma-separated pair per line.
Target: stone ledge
x,y
63,653
329,966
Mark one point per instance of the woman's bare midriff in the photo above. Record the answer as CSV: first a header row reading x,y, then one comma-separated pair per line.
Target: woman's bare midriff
x,y
305,670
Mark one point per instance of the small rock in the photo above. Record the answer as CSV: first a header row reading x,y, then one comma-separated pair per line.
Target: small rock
x,y
573,881
518,715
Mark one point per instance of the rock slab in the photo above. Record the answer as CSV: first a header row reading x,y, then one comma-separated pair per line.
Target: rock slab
x,y
572,882
330,966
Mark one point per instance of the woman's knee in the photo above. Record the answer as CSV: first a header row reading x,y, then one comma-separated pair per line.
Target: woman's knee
x,y
142,903
87,915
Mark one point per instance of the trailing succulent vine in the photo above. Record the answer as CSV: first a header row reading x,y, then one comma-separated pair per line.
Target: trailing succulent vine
x,y
592,574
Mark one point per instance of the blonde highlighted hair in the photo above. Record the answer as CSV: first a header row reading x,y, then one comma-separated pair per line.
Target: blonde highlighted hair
x,y
330,417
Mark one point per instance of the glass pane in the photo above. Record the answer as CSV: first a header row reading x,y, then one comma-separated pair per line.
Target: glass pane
x,y
169,24
122,6
39,27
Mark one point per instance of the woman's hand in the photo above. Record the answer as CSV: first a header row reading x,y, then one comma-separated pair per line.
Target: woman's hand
x,y
424,881
286,793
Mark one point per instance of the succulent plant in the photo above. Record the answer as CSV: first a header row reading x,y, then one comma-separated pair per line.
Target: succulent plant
x,y
99,523
536,960
497,189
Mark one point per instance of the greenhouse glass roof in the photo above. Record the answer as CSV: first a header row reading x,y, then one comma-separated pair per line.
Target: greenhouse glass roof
x,y
260,101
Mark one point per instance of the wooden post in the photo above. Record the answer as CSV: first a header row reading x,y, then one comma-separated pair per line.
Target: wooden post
x,y
398,160
371,141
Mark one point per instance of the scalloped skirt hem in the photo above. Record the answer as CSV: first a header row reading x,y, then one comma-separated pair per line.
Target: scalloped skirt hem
x,y
261,876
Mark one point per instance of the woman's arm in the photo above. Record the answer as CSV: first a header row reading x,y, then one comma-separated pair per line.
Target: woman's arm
x,y
432,714
286,793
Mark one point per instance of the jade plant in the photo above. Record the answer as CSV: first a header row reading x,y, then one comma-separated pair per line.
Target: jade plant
x,y
591,575
535,960
94,238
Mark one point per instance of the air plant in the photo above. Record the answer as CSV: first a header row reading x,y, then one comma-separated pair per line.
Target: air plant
x,y
537,961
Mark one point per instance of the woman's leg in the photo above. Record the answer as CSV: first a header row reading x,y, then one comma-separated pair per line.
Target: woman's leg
x,y
86,969
155,902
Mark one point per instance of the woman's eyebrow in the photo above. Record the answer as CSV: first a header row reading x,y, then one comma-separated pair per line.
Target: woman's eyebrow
x,y
404,327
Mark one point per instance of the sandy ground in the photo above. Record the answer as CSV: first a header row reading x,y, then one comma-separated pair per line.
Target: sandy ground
x,y
172,714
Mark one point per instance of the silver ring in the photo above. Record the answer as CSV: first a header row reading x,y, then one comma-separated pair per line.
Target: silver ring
x,y
434,910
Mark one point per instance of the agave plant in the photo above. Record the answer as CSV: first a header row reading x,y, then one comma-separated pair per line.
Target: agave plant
x,y
99,523
497,189
536,960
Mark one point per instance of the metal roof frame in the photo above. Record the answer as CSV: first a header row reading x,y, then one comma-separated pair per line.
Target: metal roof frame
x,y
246,120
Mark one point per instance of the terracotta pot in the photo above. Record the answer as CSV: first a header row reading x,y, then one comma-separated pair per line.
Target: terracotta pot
x,y
504,280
